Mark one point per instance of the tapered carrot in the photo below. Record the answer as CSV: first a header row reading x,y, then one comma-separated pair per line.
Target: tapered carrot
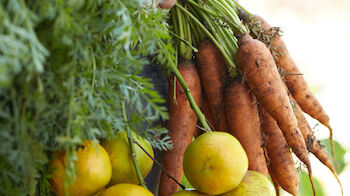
x,y
181,125
212,73
260,72
243,119
275,183
313,145
280,160
294,80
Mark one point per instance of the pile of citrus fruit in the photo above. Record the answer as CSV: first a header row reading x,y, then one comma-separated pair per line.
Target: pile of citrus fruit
x,y
215,163
105,169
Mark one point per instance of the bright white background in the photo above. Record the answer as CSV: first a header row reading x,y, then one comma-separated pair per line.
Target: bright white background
x,y
317,34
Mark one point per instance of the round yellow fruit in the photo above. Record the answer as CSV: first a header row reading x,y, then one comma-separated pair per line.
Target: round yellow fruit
x,y
122,166
215,163
99,192
125,189
188,193
253,184
93,170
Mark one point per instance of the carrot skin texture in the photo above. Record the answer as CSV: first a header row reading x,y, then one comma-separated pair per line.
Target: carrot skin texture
x,y
205,108
181,125
207,113
275,183
280,160
243,119
260,72
212,73
311,141
295,83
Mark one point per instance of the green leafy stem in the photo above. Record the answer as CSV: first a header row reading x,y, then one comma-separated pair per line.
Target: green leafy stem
x,y
132,148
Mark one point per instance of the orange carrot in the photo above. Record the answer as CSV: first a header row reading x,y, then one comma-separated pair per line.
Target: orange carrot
x,y
280,160
275,182
212,73
243,119
260,72
313,145
181,125
208,115
294,80
205,108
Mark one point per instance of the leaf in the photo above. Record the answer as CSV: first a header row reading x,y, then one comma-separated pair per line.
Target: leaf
x,y
339,153
65,66
305,188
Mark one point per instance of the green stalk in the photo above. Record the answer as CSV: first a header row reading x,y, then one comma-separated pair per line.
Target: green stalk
x,y
215,29
227,42
217,44
236,24
184,51
183,30
214,13
206,10
190,98
193,104
196,35
174,21
229,35
132,149
188,32
184,41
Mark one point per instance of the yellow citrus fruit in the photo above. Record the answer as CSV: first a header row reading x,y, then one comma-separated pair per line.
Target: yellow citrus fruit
x,y
188,193
122,166
125,189
93,170
215,163
99,192
253,184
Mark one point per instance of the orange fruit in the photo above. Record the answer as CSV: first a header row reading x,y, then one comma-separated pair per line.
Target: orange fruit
x,y
122,166
215,163
93,170
125,189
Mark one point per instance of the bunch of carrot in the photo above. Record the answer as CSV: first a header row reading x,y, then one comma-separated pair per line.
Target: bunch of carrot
x,y
238,84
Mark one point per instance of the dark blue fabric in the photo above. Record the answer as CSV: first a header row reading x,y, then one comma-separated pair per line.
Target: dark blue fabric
x,y
160,81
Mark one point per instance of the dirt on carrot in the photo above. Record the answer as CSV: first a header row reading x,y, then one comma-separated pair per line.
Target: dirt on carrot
x,y
212,73
261,74
280,160
243,118
312,143
293,77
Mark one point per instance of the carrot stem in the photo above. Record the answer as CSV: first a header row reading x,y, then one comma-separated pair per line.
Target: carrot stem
x,y
132,148
193,104
217,44
188,93
236,24
184,41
